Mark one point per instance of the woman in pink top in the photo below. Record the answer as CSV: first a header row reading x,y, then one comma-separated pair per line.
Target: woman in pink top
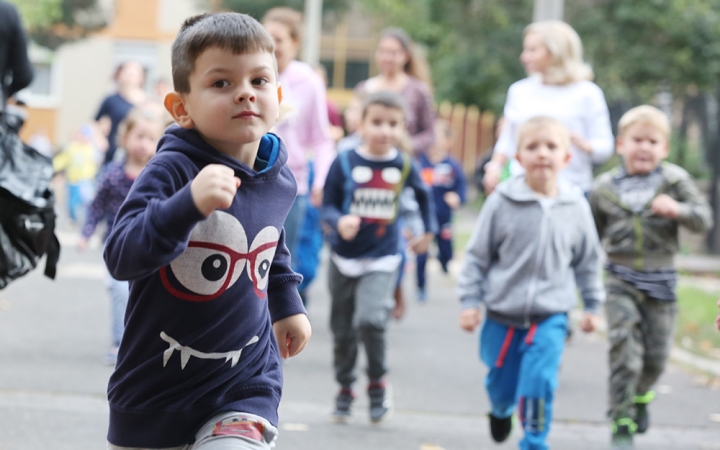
x,y
303,123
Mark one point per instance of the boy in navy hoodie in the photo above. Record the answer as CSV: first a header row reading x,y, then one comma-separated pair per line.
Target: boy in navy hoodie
x,y
360,204
213,301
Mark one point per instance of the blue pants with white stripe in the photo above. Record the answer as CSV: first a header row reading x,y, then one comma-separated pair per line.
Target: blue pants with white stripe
x,y
523,372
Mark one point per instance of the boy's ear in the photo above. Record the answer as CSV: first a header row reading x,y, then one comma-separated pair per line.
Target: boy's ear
x,y
280,93
175,105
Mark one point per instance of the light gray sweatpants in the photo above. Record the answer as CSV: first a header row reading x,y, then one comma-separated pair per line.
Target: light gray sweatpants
x,y
360,312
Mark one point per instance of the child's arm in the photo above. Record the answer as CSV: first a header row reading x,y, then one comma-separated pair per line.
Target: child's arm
x,y
154,223
690,209
460,183
475,265
427,207
586,266
598,214
288,315
96,210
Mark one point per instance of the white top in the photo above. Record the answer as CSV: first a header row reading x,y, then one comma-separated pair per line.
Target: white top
x,y
580,106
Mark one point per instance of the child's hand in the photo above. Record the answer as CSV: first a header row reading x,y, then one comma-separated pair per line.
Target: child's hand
x,y
492,176
579,142
589,322
82,244
292,334
666,206
399,310
419,244
452,199
348,226
214,188
470,319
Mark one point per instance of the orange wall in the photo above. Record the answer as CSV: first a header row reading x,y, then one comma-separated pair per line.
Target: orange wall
x,y
40,120
137,19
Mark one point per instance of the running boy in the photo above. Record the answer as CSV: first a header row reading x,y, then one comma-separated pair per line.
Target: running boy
x,y
201,240
360,204
534,240
638,209
443,173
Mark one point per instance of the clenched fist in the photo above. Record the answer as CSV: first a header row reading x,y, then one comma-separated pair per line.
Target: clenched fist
x,y
214,188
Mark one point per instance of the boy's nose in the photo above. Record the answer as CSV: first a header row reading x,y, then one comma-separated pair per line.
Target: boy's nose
x,y
244,94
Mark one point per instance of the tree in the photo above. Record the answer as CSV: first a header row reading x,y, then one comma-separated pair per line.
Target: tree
x,y
50,23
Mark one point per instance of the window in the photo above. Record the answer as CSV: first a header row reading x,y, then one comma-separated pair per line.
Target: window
x,y
44,91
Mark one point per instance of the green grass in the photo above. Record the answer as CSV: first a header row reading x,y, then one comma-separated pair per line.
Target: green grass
x,y
697,310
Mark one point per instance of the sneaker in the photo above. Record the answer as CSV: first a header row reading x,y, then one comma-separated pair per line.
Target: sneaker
x,y
622,433
444,267
381,406
500,428
642,418
421,295
343,403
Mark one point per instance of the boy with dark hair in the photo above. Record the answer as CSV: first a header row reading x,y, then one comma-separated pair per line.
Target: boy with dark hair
x,y
638,209
534,245
213,301
361,206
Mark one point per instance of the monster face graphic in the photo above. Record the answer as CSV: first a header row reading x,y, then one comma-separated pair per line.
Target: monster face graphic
x,y
375,195
216,257
440,175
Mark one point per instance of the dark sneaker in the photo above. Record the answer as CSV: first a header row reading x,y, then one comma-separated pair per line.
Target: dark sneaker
x,y
500,428
622,433
343,403
444,267
642,418
380,401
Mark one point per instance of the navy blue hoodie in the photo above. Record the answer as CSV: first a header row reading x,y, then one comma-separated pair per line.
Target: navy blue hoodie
x,y
203,294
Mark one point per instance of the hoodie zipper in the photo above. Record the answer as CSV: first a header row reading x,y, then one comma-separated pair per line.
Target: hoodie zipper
x,y
532,288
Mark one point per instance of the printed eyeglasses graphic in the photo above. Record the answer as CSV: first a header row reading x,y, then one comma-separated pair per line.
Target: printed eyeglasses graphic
x,y
215,258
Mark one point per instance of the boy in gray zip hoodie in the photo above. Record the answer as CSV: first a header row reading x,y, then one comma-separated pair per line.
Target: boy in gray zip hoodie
x,y
533,245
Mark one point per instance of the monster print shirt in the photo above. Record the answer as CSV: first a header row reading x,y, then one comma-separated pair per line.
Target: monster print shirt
x,y
369,188
204,293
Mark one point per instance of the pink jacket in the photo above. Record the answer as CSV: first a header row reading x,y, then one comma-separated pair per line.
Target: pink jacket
x,y
303,124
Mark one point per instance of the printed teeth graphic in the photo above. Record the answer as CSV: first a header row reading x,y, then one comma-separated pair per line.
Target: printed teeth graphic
x,y
187,352
374,203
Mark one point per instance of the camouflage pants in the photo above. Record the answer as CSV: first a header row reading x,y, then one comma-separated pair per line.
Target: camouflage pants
x,y
640,330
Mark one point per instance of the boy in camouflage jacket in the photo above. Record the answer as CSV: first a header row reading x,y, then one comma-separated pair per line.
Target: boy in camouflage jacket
x,y
638,209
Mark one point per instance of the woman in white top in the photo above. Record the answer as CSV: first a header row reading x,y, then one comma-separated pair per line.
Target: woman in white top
x,y
558,85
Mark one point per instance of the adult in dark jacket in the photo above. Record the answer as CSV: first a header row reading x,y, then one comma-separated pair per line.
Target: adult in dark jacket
x,y
14,62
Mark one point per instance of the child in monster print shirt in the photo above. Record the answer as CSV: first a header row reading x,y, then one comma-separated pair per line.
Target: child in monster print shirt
x,y
360,205
213,301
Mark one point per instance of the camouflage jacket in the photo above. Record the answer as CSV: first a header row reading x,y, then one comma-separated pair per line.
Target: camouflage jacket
x,y
643,240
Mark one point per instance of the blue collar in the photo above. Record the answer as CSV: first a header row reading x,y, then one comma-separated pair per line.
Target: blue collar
x,y
267,154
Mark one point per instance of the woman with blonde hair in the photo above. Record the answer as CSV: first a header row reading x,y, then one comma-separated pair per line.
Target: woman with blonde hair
x,y
558,85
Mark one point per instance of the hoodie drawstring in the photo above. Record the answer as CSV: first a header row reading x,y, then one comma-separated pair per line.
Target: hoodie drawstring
x,y
529,338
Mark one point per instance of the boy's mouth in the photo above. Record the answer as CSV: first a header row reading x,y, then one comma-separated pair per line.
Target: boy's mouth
x,y
245,114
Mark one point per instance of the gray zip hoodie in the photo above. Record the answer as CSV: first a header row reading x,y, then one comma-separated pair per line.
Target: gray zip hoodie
x,y
524,258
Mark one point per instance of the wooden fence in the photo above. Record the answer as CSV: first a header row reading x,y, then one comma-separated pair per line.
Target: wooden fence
x,y
472,130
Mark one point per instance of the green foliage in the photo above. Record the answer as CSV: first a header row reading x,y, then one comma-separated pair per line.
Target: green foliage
x,y
639,47
258,8
51,23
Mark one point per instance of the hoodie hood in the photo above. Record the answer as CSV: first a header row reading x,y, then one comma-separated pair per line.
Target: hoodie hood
x,y
517,189
272,154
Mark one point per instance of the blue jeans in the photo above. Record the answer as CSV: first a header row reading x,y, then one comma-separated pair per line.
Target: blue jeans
x,y
293,224
523,371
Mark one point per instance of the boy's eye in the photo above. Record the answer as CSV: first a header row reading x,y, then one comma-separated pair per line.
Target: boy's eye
x,y
377,122
552,146
220,84
393,124
259,81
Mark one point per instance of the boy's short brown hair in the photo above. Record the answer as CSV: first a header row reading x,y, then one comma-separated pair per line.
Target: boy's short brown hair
x,y
238,33
387,99
646,115
537,122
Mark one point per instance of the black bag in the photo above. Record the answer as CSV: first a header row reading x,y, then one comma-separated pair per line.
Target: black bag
x,y
27,205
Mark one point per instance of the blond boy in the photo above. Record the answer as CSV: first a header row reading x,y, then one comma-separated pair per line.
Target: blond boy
x,y
638,208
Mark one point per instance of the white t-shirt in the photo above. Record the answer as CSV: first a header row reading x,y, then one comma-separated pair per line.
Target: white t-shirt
x,y
580,106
